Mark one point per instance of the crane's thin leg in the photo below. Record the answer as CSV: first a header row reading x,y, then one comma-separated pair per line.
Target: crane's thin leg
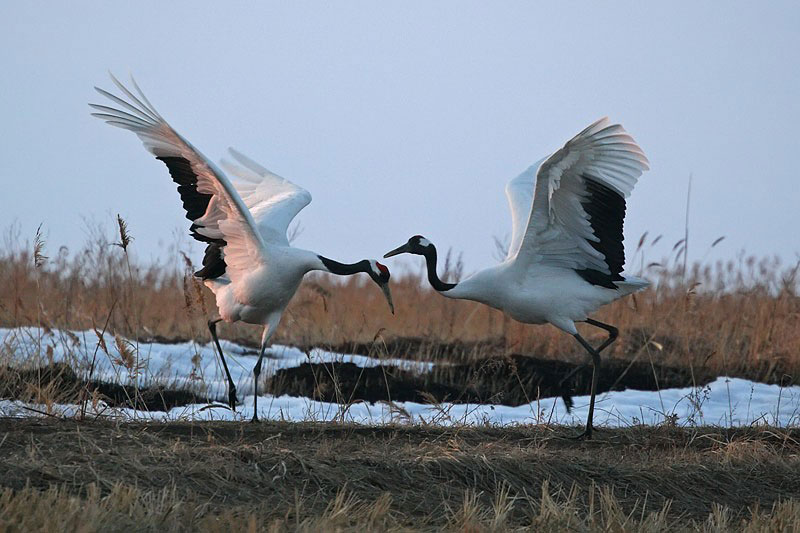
x,y
212,327
587,433
613,333
257,370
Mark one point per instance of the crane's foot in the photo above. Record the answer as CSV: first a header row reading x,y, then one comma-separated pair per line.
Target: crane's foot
x,y
255,419
586,434
232,397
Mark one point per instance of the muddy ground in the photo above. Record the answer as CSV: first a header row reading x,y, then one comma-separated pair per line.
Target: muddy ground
x,y
512,380
59,383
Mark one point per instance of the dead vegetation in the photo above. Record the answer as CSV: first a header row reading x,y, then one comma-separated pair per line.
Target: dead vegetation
x,y
58,383
737,318
67,476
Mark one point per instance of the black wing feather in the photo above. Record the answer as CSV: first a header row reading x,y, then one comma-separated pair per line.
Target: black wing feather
x,y
606,210
195,203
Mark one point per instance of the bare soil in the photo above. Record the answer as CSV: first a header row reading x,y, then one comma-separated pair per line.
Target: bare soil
x,y
510,380
61,384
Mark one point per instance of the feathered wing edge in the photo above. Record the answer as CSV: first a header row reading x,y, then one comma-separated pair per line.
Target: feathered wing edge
x,y
272,200
226,217
519,193
592,173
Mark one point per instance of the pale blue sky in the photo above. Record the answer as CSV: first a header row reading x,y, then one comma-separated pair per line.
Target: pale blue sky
x,y
407,118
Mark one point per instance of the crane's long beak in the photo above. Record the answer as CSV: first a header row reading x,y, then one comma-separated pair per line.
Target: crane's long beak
x,y
397,251
388,294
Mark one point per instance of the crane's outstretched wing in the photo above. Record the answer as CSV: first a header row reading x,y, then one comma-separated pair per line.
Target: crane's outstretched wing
x,y
219,216
576,217
272,200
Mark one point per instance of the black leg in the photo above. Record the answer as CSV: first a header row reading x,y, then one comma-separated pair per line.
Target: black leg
x,y
256,374
613,333
587,433
212,327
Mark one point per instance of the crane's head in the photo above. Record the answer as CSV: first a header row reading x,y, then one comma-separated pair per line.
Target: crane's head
x,y
380,275
417,245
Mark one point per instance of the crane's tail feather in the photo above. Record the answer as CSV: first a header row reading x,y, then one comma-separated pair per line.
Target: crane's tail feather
x,y
631,284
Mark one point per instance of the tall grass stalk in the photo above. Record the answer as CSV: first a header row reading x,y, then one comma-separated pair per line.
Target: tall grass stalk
x,y
125,240
39,260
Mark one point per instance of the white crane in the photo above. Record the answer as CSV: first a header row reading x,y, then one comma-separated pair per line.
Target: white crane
x,y
248,264
566,254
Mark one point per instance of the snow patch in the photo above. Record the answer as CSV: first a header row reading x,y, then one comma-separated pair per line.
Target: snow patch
x,y
724,402
184,365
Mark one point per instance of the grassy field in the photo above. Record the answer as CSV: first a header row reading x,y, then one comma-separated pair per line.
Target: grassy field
x,y
65,476
738,318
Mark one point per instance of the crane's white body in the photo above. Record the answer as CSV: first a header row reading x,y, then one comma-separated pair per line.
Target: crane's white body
x,y
540,295
261,295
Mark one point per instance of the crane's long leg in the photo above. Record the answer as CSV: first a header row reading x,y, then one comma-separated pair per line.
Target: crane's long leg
x,y
595,377
257,369
212,327
613,333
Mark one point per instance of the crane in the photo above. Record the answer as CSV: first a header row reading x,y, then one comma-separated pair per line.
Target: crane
x,y
248,264
566,255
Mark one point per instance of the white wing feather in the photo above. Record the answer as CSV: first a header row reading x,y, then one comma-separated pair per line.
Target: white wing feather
x,y
272,200
558,230
226,216
519,193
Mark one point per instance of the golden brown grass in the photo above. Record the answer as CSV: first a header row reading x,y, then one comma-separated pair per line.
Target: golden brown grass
x,y
68,476
728,316
130,509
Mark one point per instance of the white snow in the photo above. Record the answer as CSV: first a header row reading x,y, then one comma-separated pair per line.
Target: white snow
x,y
180,365
724,402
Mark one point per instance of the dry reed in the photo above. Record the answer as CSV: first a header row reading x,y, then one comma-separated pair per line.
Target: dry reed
x,y
728,316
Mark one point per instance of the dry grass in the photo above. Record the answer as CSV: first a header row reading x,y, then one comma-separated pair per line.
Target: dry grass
x,y
130,509
732,318
64,475
67,476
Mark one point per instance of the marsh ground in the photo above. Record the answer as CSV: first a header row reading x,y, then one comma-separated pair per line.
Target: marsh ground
x,y
92,476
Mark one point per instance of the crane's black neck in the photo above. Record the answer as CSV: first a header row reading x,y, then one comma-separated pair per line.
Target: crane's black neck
x,y
344,269
433,278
